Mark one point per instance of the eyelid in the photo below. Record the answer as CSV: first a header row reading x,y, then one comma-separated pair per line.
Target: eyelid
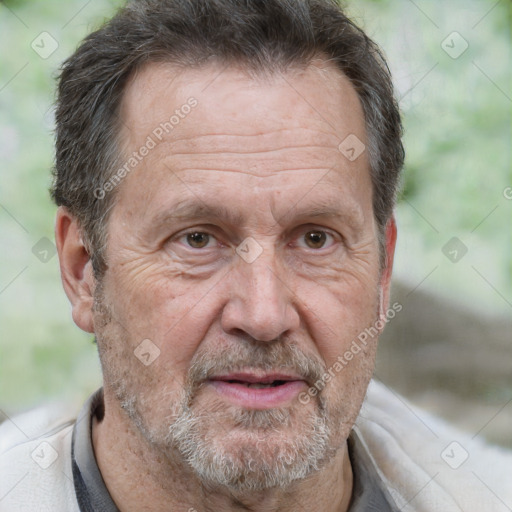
x,y
335,237
302,230
184,234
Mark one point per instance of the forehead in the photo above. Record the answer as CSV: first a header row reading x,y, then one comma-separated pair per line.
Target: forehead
x,y
220,124
232,99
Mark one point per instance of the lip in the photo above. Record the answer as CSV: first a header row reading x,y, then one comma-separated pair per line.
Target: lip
x,y
258,398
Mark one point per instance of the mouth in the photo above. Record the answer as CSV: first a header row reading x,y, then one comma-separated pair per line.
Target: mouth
x,y
258,390
259,385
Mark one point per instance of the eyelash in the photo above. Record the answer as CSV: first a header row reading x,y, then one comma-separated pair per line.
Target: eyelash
x,y
312,230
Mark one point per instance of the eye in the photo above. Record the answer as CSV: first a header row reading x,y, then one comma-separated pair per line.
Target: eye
x,y
197,239
317,239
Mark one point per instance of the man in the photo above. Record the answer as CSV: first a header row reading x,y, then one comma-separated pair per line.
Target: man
x,y
226,174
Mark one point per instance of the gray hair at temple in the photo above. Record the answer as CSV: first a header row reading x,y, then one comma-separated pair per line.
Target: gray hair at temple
x,y
263,36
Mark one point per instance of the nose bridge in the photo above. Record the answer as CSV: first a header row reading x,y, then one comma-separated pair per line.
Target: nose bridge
x,y
261,302
265,285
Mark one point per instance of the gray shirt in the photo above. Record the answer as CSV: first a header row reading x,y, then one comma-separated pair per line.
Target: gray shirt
x,y
368,492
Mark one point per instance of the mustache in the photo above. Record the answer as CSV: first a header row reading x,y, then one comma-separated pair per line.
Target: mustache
x,y
247,357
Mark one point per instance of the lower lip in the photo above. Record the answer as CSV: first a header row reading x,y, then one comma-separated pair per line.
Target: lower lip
x,y
259,398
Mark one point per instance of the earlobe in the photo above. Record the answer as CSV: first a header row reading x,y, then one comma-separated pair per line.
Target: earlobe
x,y
385,284
75,268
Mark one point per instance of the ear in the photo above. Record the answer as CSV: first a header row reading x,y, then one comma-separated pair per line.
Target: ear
x,y
385,281
75,268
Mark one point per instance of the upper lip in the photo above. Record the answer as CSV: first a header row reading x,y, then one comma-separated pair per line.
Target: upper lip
x,y
255,377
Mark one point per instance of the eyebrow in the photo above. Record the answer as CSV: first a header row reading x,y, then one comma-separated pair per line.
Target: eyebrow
x,y
190,210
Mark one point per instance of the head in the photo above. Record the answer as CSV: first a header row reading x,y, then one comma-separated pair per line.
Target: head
x,y
226,173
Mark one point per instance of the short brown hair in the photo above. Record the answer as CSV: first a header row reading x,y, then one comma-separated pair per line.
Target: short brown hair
x,y
264,35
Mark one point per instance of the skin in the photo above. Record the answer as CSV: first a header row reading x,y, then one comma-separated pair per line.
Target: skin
x,y
266,149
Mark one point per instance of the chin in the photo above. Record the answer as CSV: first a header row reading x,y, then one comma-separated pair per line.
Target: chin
x,y
252,450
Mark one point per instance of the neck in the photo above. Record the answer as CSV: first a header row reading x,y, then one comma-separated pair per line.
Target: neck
x,y
146,479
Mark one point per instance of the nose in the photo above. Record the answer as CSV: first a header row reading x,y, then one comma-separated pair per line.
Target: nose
x,y
261,304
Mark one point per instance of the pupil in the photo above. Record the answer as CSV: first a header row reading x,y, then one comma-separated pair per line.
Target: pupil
x,y
316,239
198,240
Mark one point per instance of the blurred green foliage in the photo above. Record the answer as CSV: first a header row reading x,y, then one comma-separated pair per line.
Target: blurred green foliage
x,y
457,115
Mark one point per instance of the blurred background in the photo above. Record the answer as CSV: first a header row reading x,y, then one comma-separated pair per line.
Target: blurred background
x,y
450,348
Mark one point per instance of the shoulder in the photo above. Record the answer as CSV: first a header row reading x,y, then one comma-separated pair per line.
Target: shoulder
x,y
428,465
35,461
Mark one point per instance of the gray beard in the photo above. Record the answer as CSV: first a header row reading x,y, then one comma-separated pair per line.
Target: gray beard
x,y
243,450
276,449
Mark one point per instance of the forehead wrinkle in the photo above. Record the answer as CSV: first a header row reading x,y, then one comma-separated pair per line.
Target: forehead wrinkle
x,y
242,151
264,141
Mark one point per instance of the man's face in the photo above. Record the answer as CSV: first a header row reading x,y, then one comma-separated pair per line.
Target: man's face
x,y
243,246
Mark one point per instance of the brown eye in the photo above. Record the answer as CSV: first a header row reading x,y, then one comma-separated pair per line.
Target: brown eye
x,y
315,239
198,240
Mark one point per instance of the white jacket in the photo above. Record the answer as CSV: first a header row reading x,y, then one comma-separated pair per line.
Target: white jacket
x,y
425,464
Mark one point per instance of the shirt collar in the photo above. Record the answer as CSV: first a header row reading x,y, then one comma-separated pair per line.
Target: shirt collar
x,y
91,492
369,492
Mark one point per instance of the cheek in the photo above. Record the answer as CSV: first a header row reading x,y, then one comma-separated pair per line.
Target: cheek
x,y
165,307
339,312
137,368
